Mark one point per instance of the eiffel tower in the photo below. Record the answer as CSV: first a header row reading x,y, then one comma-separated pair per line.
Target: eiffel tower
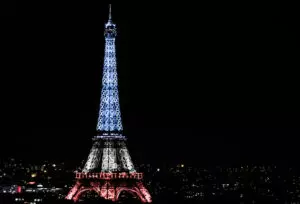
x,y
109,169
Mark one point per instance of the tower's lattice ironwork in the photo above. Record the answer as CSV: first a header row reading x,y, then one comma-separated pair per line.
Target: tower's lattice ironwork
x,y
109,114
109,169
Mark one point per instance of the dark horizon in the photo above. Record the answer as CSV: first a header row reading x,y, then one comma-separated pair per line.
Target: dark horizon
x,y
198,83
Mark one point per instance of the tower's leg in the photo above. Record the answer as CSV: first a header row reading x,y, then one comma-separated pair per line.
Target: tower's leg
x,y
79,192
111,193
144,192
73,191
103,191
138,190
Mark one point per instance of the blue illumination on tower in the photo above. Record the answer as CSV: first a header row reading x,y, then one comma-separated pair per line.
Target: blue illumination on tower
x,y
109,120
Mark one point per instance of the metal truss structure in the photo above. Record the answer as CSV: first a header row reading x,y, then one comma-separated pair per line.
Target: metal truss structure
x,y
109,115
109,169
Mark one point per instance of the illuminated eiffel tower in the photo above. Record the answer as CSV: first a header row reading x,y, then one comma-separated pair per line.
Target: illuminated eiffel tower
x,y
109,170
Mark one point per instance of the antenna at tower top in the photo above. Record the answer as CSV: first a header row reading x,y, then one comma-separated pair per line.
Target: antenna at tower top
x,y
109,17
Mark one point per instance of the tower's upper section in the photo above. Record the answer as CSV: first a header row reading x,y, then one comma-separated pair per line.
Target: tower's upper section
x,y
110,27
109,120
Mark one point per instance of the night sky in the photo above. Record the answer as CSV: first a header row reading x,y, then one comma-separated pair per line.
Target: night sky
x,y
8,8
198,83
